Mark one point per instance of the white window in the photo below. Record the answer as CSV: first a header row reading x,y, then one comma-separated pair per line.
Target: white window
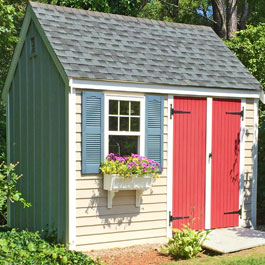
x,y
124,124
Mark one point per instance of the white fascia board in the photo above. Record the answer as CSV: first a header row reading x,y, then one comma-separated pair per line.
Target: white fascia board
x,y
262,97
160,89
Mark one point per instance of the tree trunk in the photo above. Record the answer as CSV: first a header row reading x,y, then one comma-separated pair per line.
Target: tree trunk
x,y
231,18
219,15
244,16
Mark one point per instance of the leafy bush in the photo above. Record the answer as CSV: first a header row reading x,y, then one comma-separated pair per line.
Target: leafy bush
x,y
129,166
8,189
186,243
249,47
28,248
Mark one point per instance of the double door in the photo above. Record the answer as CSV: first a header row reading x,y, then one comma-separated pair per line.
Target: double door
x,y
190,160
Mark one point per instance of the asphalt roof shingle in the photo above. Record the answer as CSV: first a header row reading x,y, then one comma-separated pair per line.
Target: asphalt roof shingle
x,y
96,45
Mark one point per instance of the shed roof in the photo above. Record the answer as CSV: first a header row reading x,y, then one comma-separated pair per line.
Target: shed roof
x,y
94,45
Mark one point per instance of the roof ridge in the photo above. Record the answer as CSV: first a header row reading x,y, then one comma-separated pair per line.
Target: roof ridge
x,y
115,16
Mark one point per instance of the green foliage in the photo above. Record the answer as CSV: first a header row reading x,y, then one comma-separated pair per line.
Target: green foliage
x,y
122,7
8,40
28,248
8,189
50,235
129,166
186,243
95,5
256,15
182,11
249,47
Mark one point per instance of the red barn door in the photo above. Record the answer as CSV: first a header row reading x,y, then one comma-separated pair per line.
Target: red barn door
x,y
189,141
225,163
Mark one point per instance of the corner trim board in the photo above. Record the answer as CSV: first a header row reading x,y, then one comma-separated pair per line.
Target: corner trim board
x,y
242,160
8,154
255,165
170,166
72,169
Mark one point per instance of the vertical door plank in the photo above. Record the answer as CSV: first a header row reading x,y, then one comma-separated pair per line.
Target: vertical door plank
x,y
189,132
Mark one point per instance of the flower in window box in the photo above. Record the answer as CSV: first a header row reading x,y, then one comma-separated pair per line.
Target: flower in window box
x,y
130,166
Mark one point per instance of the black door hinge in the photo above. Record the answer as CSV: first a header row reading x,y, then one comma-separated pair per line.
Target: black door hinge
x,y
241,113
235,212
173,111
172,218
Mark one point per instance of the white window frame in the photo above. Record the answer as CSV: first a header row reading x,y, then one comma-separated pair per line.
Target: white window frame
x,y
140,134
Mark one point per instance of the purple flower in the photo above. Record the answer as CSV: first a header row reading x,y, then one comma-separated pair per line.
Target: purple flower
x,y
144,165
129,167
144,170
135,163
153,168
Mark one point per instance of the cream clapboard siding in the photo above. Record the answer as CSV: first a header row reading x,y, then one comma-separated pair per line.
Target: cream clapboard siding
x,y
98,227
248,161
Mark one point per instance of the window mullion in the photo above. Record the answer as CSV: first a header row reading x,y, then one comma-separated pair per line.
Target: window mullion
x,y
118,115
129,116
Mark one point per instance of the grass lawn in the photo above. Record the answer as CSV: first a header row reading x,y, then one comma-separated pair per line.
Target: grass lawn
x,y
255,256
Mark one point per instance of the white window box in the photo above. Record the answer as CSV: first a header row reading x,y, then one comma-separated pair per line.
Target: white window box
x,y
113,183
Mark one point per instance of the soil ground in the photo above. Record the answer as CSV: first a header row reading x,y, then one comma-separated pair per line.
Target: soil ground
x,y
149,254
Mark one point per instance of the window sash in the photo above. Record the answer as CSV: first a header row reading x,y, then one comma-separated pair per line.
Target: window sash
x,y
140,134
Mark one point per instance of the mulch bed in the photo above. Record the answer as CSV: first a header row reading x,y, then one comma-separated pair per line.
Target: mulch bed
x,y
147,254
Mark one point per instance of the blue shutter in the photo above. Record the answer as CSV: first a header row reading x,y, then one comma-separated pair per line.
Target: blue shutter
x,y
154,128
92,131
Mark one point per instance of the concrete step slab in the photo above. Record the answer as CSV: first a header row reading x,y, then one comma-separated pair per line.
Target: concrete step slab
x,y
227,240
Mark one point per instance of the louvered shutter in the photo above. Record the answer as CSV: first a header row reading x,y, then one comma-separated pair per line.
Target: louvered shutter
x,y
92,131
154,128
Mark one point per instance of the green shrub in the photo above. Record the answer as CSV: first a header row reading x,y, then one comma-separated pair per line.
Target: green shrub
x,y
8,189
28,248
186,243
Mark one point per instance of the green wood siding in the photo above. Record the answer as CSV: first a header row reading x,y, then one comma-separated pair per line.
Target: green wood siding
x,y
37,137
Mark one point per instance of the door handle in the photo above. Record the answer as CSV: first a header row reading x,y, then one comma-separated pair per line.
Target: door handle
x,y
210,155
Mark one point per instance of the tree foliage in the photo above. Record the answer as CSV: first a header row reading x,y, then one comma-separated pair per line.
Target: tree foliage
x,y
181,11
8,39
249,47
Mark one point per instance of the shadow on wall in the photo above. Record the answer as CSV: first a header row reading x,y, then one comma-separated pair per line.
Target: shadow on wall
x,y
123,210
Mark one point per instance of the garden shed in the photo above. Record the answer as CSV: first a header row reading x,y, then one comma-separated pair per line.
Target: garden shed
x,y
85,84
